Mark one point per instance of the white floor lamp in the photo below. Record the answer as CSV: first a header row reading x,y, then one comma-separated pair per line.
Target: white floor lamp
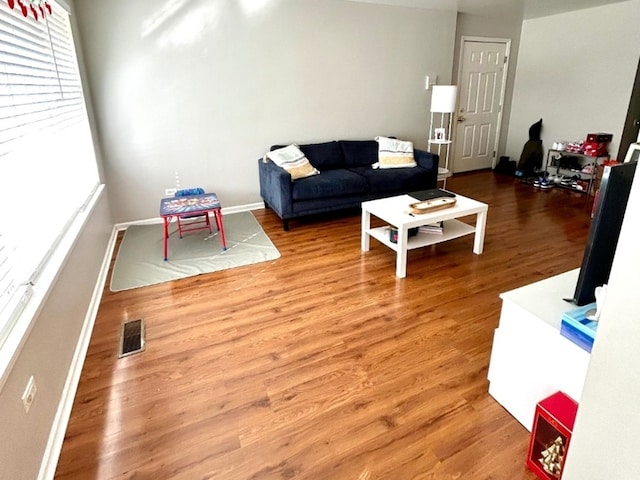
x,y
443,103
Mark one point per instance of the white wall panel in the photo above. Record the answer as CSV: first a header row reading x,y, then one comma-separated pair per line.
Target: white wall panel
x,y
204,87
576,72
48,352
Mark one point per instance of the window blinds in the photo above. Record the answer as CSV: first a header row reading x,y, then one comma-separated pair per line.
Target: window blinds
x,y
47,161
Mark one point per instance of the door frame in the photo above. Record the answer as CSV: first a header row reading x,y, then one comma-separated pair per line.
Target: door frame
x,y
631,132
475,39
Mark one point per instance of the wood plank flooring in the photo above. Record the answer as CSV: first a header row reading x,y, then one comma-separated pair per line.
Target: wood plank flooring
x,y
322,364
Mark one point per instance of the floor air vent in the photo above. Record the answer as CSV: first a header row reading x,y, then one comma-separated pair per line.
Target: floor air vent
x,y
131,338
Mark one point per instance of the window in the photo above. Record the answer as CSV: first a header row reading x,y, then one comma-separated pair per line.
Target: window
x,y
48,169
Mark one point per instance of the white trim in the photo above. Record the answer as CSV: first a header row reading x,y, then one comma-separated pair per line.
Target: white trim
x,y
61,420
64,4
19,333
243,208
507,42
473,38
225,210
63,413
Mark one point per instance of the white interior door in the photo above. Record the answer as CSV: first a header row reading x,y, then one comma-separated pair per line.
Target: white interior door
x,y
481,90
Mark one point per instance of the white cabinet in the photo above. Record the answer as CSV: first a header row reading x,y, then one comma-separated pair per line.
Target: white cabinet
x,y
530,360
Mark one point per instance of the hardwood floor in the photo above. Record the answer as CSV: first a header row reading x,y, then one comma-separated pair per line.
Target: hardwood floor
x,y
322,364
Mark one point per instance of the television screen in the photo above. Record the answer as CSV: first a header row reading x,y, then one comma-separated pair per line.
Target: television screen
x,y
604,231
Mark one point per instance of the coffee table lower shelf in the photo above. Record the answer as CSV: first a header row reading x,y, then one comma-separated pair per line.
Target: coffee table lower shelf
x,y
452,229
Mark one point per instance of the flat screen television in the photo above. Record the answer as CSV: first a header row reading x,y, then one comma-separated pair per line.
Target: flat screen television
x,y
604,231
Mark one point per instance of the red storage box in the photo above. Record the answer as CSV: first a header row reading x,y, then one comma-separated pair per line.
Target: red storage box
x,y
595,149
551,434
599,137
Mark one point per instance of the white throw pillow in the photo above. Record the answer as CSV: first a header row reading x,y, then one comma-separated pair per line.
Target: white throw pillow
x,y
293,161
393,153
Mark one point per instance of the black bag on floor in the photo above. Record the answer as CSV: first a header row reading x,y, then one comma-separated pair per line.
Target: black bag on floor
x,y
506,166
532,153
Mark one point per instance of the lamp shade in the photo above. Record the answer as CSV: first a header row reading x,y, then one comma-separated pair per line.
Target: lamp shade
x,y
443,98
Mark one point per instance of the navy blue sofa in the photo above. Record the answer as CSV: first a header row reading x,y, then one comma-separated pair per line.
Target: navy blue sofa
x,y
346,179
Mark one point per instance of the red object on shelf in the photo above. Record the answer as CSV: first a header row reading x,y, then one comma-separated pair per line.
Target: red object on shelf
x,y
552,425
594,149
597,144
599,137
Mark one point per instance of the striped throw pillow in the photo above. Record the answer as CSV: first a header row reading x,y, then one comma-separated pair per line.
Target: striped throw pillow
x,y
292,160
393,153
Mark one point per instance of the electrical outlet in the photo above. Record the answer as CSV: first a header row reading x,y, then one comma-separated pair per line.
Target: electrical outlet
x,y
168,192
29,394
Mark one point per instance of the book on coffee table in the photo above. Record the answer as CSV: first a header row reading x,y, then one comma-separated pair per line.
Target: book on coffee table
x,y
432,228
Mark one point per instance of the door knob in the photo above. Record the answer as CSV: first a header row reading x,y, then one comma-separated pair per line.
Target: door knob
x,y
461,119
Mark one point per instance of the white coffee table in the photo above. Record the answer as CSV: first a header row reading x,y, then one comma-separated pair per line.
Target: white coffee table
x,y
394,210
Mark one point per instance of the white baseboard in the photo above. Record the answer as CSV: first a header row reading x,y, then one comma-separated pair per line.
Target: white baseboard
x,y
242,208
61,420
225,210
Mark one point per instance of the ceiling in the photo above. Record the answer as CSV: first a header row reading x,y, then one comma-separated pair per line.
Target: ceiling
x,y
500,8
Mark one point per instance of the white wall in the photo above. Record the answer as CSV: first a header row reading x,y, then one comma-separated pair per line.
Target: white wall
x,y
204,87
48,351
576,72
606,435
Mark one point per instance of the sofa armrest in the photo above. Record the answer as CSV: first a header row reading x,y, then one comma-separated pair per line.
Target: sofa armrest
x,y
426,159
276,188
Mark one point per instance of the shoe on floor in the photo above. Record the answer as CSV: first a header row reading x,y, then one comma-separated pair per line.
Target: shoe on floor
x,y
575,182
555,178
547,184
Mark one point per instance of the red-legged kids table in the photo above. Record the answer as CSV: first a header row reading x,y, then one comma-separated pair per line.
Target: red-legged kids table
x,y
191,205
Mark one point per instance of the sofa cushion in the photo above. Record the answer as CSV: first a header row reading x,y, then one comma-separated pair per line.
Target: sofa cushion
x,y
394,153
359,153
293,160
324,156
329,184
395,180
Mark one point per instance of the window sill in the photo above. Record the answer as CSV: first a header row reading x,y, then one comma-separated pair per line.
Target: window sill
x,y
37,294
